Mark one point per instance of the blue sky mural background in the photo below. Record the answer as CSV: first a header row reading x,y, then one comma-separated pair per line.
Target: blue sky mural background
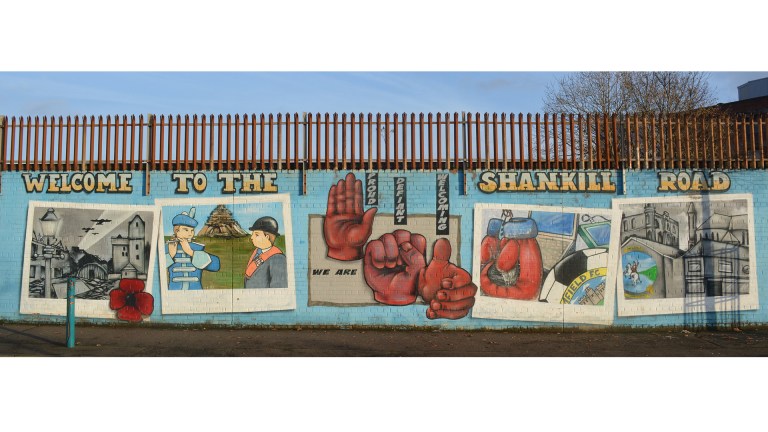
x,y
244,214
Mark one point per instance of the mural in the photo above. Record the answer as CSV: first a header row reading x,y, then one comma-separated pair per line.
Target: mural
x,y
212,264
535,263
686,254
364,260
389,242
99,245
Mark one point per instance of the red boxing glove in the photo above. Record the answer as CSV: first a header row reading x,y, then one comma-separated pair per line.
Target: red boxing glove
x,y
447,289
392,265
517,271
489,250
345,227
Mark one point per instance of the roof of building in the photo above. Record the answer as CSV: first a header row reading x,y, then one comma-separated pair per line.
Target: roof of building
x,y
129,267
707,247
661,249
725,222
746,106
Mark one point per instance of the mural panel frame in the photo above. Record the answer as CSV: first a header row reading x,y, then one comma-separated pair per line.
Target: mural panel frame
x,y
693,303
85,308
490,307
237,299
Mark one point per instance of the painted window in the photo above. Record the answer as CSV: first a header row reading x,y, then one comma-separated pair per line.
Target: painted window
x,y
694,266
600,233
554,223
694,287
725,266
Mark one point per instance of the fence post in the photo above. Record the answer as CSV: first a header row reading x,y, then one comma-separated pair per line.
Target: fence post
x,y
463,167
3,131
149,161
3,134
307,152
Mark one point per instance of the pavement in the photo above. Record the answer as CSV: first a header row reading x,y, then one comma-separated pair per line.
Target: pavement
x,y
30,340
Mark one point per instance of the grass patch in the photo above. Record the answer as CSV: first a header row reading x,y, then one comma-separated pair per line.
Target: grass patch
x,y
233,255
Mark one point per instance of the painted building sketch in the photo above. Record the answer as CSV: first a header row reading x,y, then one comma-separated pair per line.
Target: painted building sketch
x,y
686,254
98,245
362,257
535,263
226,254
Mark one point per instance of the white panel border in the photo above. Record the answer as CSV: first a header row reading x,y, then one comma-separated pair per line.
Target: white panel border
x,y
640,307
527,310
84,308
229,300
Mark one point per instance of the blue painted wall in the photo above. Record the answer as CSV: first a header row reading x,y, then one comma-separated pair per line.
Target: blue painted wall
x,y
421,200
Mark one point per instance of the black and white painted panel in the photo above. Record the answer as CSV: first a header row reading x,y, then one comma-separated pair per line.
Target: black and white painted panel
x,y
97,245
687,254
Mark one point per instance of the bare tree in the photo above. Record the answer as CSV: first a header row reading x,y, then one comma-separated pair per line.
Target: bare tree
x,y
663,96
668,92
636,92
588,92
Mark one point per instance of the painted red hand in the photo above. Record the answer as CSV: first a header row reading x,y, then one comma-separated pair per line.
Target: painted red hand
x,y
391,267
345,227
447,289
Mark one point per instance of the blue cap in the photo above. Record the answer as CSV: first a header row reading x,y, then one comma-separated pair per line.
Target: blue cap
x,y
185,219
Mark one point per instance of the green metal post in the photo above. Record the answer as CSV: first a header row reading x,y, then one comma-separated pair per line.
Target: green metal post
x,y
71,312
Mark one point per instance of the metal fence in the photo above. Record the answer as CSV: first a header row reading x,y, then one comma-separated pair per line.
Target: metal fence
x,y
442,141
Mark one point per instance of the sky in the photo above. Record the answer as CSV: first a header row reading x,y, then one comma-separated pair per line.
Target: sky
x,y
264,57
101,93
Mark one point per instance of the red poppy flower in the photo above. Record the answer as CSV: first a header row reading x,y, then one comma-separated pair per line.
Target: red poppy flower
x,y
130,301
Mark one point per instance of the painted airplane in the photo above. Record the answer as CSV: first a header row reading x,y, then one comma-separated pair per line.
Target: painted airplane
x,y
101,221
88,229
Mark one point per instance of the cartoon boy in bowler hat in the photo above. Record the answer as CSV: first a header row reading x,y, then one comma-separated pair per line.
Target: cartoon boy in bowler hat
x,y
267,267
186,259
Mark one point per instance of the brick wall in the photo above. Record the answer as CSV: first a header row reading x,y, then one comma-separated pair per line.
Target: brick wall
x,y
421,200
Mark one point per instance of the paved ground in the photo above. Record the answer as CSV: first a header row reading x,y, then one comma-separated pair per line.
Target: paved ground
x,y
127,341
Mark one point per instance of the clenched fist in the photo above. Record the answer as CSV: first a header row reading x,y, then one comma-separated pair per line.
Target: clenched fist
x,y
447,289
511,261
346,228
392,266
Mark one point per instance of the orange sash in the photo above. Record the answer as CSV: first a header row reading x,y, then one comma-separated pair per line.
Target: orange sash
x,y
254,264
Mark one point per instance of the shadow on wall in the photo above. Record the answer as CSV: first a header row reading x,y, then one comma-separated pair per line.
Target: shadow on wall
x,y
710,307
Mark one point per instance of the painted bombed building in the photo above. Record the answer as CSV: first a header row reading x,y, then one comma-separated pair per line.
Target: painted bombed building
x,y
652,225
128,254
716,268
718,264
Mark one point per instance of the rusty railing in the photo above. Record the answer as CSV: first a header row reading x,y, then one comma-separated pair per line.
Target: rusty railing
x,y
442,141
